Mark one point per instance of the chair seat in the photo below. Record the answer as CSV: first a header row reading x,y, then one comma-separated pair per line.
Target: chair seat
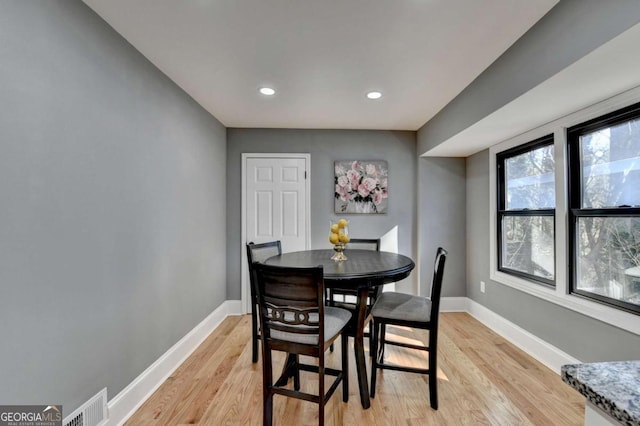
x,y
334,321
401,306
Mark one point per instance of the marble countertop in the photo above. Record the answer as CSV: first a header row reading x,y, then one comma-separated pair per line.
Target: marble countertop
x,y
614,387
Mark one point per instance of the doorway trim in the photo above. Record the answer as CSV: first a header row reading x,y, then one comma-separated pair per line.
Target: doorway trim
x,y
244,285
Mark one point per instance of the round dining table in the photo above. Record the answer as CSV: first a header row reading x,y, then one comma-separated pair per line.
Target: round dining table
x,y
363,271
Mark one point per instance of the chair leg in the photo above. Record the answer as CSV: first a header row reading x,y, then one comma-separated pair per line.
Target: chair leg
x,y
267,395
321,389
433,375
345,367
433,390
267,412
373,332
296,375
381,337
254,334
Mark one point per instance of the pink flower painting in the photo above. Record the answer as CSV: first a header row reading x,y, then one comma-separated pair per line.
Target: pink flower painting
x,y
361,186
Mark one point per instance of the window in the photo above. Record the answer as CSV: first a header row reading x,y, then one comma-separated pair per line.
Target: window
x,y
604,208
583,251
526,211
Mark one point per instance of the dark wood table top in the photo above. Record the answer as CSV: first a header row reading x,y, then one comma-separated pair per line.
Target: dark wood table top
x,y
362,267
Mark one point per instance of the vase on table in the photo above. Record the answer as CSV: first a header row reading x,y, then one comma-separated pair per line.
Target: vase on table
x,y
339,237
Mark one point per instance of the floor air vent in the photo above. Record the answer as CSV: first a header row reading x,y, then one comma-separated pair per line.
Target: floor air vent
x,y
91,413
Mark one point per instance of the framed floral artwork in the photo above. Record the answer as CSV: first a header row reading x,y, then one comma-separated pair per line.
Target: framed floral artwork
x,y
361,186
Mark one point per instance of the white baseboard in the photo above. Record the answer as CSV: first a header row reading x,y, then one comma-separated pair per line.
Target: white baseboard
x,y
125,403
544,352
454,304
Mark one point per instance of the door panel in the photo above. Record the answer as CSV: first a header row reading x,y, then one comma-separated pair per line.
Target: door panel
x,y
290,226
263,214
290,174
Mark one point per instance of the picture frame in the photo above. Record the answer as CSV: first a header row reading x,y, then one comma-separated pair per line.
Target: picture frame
x,y
361,187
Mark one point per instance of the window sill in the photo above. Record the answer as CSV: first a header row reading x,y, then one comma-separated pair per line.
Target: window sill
x,y
621,319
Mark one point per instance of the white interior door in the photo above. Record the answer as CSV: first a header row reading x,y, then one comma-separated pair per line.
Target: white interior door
x,y
275,204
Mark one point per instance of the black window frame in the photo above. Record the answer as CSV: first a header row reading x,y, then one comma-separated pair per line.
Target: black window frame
x,y
574,192
501,158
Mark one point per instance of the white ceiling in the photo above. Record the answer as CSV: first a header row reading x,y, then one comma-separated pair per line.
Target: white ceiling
x,y
322,57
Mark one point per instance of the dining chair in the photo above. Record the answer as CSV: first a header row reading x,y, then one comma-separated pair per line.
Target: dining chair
x,y
258,253
346,297
295,320
401,309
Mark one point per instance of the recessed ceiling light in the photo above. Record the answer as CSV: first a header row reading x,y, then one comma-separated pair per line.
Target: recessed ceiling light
x,y
374,95
267,91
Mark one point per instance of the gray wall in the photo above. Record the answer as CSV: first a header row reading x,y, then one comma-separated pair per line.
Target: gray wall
x,y
112,184
441,219
569,31
583,337
326,146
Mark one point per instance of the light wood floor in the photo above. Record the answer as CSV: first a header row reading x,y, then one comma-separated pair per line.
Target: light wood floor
x,y
483,380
